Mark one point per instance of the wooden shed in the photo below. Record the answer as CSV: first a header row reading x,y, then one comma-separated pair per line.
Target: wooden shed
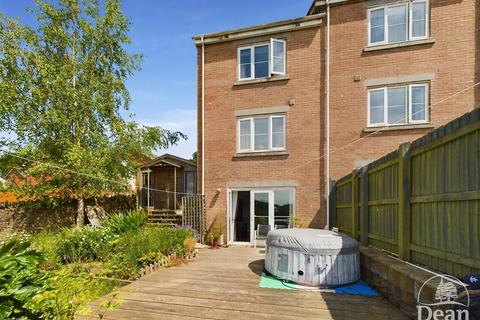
x,y
163,181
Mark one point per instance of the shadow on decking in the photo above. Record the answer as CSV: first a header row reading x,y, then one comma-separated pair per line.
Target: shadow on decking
x,y
257,266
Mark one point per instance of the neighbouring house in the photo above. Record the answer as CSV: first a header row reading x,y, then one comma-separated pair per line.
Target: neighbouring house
x,y
163,181
273,98
390,59
15,177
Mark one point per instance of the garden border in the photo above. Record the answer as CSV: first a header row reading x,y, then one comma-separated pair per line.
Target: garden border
x,y
165,262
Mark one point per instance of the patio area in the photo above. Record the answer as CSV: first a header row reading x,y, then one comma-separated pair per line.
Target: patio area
x,y
223,284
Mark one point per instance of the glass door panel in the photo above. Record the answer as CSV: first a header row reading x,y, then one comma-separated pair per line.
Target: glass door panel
x,y
261,205
283,208
272,208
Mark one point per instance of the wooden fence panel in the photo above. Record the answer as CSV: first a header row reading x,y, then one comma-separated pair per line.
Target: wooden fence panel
x,y
383,206
445,204
343,206
421,202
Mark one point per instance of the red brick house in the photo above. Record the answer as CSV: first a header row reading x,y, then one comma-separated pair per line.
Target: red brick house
x,y
272,99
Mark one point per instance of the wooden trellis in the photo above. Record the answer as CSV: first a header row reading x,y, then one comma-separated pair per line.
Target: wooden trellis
x,y
194,215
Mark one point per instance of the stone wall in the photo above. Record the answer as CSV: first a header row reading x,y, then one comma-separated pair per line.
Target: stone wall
x,y
395,280
31,219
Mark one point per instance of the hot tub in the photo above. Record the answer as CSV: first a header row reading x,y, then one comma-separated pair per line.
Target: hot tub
x,y
312,257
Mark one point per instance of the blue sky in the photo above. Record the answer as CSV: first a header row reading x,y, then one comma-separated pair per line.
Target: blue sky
x,y
164,91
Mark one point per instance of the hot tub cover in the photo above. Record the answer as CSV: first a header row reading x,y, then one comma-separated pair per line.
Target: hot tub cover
x,y
312,241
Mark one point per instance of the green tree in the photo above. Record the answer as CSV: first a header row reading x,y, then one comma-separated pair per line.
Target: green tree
x,y
62,85
194,157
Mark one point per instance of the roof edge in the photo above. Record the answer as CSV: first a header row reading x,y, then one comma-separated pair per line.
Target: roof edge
x,y
168,156
252,31
318,6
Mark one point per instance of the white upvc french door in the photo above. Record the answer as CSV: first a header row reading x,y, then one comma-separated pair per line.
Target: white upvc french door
x,y
271,207
261,209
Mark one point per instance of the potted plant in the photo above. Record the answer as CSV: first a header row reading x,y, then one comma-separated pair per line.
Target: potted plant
x,y
216,235
294,222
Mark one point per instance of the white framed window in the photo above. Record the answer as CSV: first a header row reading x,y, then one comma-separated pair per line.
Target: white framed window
x,y
398,22
245,134
398,105
418,103
262,60
418,19
277,56
262,133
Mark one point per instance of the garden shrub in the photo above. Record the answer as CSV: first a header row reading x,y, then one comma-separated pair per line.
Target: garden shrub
x,y
146,242
128,222
52,275
86,244
189,244
47,243
20,280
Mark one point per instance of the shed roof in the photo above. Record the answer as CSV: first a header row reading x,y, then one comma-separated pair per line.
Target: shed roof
x,y
169,159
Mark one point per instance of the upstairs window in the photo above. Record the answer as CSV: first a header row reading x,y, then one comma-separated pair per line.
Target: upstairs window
x,y
263,133
398,22
262,61
398,105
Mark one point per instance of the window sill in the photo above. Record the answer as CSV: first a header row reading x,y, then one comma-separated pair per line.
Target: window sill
x,y
399,45
400,127
261,154
261,80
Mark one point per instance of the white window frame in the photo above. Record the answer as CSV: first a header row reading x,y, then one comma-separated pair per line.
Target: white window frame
x,y
410,106
272,41
408,24
252,133
239,129
408,110
270,133
377,124
270,59
252,64
410,19
385,26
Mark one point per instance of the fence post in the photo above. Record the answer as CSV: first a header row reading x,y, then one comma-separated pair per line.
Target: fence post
x,y
354,204
364,206
404,201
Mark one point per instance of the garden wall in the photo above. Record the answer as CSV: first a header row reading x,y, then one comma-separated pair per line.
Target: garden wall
x,y
396,280
33,218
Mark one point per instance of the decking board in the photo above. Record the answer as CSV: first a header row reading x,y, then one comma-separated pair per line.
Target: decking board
x,y
223,284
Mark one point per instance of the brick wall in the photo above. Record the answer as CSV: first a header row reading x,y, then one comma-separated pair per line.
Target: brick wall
x,y
305,129
453,58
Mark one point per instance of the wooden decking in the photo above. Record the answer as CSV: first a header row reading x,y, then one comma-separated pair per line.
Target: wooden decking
x,y
223,284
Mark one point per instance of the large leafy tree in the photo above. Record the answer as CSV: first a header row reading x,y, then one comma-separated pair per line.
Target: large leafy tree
x,y
62,85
